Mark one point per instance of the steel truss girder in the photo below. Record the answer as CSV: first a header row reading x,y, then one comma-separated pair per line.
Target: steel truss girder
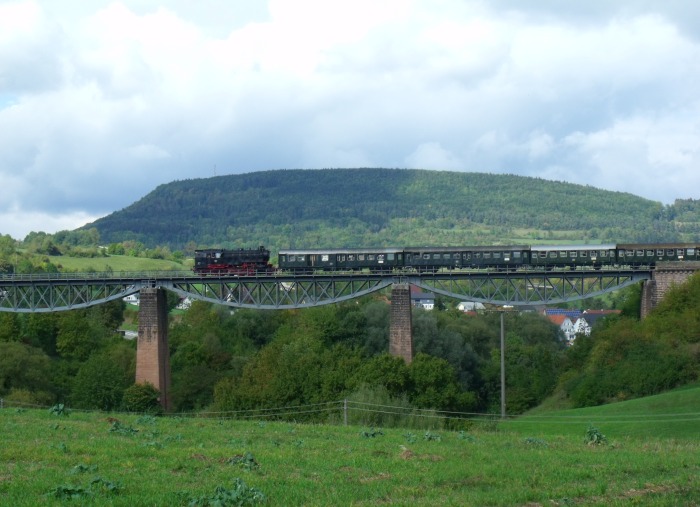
x,y
301,291
52,296
273,294
528,288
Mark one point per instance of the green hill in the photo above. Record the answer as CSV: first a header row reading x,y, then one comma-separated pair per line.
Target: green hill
x,y
380,207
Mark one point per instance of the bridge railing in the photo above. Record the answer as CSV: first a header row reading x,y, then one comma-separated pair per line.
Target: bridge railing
x,y
95,275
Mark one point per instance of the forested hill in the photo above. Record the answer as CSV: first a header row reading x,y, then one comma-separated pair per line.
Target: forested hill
x,y
380,207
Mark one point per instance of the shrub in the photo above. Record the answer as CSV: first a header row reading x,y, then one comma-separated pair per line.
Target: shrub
x,y
142,398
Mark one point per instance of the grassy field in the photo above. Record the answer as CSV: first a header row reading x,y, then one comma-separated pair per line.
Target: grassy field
x,y
93,459
675,414
115,263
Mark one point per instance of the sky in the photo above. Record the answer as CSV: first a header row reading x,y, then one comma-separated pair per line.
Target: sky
x,y
102,101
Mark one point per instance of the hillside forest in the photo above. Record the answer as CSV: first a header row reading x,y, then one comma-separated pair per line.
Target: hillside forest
x,y
389,207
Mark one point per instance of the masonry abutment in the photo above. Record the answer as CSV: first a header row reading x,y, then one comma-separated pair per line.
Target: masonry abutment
x,y
665,276
152,355
400,332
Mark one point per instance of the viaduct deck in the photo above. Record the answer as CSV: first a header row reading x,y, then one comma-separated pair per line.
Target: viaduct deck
x,y
59,292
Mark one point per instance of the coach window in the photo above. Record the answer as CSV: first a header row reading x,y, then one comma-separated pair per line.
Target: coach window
x,y
669,252
691,251
679,251
552,255
370,257
426,257
649,253
477,255
487,255
639,253
302,258
351,257
390,257
341,258
324,258
659,253
563,254
360,257
516,255
457,256
292,258
584,254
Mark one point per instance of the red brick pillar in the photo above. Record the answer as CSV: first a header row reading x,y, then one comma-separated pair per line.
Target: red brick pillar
x,y
648,298
152,356
400,332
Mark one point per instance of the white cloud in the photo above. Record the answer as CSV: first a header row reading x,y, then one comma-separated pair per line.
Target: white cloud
x,y
432,156
102,101
19,223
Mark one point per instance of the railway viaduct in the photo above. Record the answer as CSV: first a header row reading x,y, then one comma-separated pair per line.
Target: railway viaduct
x,y
48,293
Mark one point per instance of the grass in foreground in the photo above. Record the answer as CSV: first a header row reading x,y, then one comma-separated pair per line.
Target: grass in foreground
x,y
93,459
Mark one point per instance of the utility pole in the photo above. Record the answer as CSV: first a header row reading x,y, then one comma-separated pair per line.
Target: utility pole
x,y
503,369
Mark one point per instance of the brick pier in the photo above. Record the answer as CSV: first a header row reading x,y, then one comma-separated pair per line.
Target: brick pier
x,y
400,332
152,356
662,279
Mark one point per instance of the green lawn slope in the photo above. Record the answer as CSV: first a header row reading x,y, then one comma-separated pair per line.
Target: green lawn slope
x,y
675,414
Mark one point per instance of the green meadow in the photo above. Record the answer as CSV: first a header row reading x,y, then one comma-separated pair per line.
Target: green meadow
x,y
115,263
641,452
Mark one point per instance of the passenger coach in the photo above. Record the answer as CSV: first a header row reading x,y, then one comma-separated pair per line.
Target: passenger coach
x,y
635,254
572,256
475,257
351,259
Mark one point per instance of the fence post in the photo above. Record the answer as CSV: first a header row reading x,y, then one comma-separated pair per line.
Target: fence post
x,y
345,411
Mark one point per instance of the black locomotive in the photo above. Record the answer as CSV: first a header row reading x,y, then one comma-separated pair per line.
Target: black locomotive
x,y
233,262
430,259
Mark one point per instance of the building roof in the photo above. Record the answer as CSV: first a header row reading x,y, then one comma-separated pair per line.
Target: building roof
x,y
572,314
558,319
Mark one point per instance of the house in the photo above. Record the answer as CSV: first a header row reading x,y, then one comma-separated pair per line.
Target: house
x,y
580,322
184,303
425,300
470,306
566,326
581,327
132,299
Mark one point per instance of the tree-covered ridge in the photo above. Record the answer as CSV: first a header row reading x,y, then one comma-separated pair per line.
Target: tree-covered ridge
x,y
353,207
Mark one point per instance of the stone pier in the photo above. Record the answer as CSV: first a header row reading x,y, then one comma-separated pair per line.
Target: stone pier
x,y
152,356
400,332
662,279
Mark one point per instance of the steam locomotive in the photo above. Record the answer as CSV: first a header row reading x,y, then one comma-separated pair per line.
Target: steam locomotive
x,y
233,262
430,259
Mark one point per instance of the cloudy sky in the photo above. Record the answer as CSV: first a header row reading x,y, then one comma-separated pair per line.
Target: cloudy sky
x,y
102,101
